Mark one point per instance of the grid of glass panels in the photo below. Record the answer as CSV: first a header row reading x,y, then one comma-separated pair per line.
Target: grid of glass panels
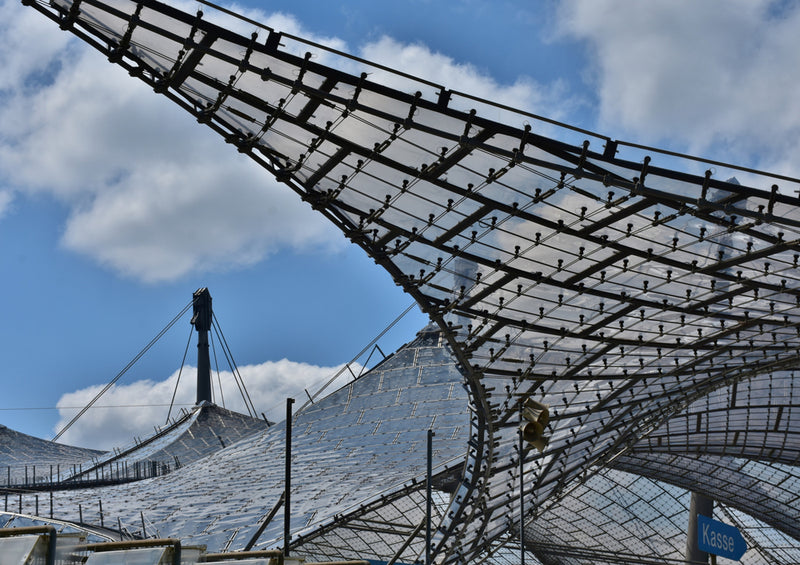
x,y
616,285
26,460
358,460
196,433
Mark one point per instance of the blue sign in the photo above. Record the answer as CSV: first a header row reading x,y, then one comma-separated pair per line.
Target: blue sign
x,y
719,538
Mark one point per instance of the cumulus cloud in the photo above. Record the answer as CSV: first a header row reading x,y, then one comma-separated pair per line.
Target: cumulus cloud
x,y
18,54
708,76
132,410
150,194
6,197
420,61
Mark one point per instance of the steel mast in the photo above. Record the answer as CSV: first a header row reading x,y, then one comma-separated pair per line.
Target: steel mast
x,y
201,320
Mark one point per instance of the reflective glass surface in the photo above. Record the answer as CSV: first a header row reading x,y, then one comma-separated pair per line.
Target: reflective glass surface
x,y
650,301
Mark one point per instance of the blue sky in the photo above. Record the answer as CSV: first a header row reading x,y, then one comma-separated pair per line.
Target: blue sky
x,y
115,206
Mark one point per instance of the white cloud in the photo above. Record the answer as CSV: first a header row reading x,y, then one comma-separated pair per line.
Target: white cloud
x,y
18,54
283,23
6,197
131,410
419,61
709,76
160,223
151,194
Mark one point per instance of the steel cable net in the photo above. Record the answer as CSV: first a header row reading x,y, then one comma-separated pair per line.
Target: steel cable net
x,y
629,290
632,517
378,532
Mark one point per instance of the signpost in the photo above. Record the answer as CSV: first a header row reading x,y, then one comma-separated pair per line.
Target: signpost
x,y
719,538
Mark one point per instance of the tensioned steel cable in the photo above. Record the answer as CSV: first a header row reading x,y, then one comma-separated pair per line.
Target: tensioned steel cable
x,y
180,372
123,371
226,351
374,341
216,365
26,408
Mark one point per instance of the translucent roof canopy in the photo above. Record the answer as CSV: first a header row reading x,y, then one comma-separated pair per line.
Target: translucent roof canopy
x,y
358,460
651,300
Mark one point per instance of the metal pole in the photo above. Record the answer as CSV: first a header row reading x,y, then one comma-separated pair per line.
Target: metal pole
x,y
521,500
288,481
428,501
698,505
